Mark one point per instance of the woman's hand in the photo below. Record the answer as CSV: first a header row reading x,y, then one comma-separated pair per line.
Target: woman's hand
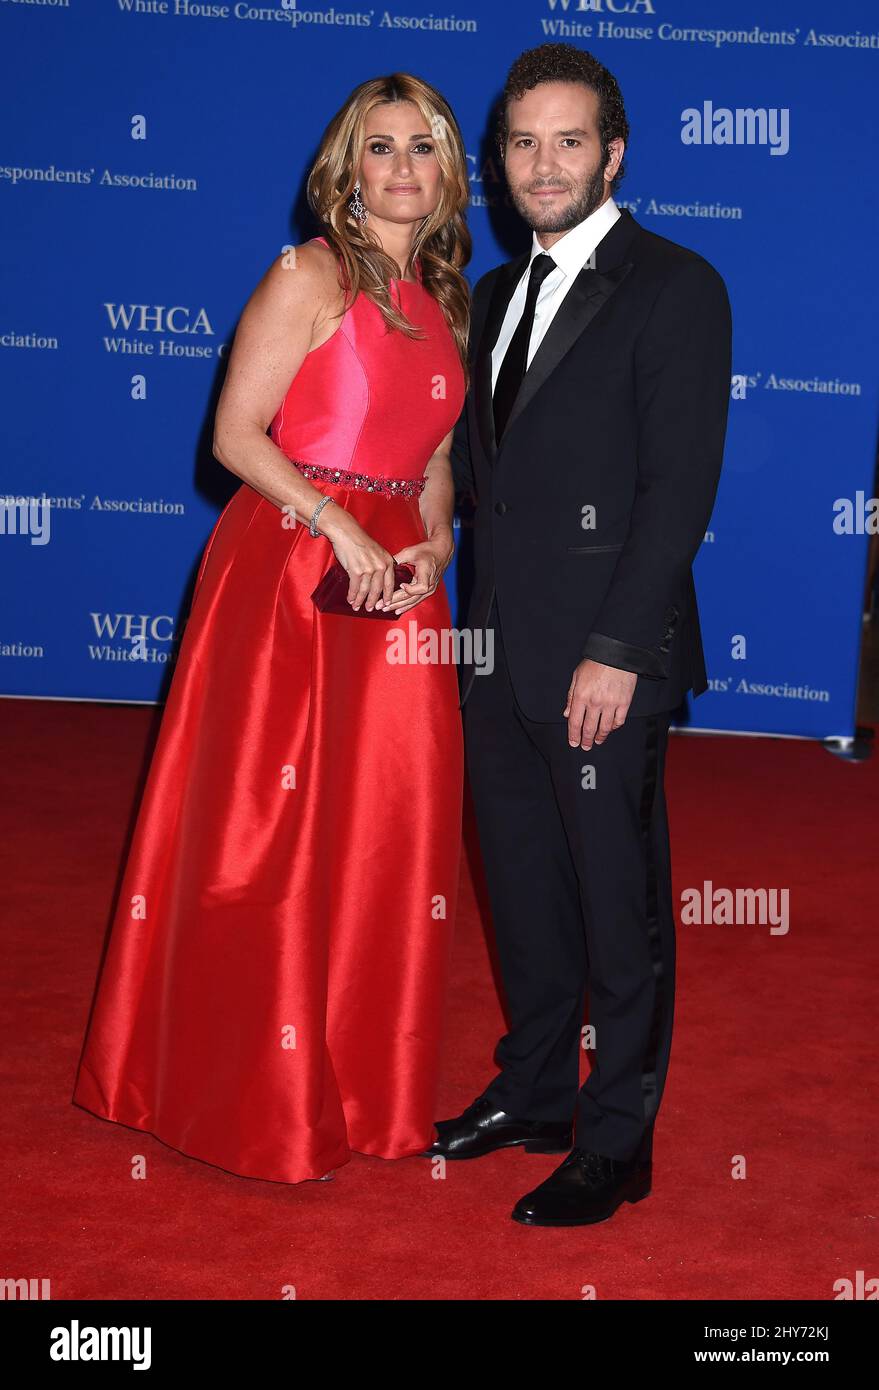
x,y
430,558
369,566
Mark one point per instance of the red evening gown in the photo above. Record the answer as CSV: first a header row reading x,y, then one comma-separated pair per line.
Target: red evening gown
x,y
272,994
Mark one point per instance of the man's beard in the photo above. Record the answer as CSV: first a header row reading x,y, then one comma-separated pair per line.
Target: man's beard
x,y
562,220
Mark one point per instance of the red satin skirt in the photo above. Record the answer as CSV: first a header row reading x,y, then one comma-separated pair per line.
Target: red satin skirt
x,y
273,992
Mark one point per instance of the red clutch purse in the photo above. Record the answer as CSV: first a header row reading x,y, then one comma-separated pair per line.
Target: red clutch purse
x,y
331,594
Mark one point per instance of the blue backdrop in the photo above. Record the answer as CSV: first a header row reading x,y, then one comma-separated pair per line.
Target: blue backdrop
x,y
154,163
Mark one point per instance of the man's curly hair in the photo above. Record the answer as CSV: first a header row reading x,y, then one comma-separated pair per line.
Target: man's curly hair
x,y
562,62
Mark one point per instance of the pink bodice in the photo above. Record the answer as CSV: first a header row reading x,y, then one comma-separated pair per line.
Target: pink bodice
x,y
372,400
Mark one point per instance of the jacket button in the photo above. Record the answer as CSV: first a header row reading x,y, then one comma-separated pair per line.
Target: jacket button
x,y
500,508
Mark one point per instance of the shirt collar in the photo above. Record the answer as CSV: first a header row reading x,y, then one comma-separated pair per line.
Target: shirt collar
x,y
572,251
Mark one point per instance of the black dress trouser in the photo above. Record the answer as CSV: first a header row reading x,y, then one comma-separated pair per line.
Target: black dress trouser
x,y
579,880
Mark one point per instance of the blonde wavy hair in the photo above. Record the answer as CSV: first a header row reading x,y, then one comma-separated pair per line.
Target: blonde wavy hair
x,y
442,240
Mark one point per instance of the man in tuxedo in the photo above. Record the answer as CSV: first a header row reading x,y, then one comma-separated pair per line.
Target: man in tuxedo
x,y
591,443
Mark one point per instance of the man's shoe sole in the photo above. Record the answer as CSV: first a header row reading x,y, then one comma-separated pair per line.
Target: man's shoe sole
x,y
531,1146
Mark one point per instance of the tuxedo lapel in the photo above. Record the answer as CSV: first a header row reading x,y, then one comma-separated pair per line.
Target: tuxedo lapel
x,y
505,283
589,293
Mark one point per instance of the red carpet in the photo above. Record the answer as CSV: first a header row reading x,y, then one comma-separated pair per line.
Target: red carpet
x,y
773,1059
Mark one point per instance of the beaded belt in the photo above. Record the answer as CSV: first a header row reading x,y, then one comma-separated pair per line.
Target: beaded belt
x,y
362,482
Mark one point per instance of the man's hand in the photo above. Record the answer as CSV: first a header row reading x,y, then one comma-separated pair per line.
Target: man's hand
x,y
598,702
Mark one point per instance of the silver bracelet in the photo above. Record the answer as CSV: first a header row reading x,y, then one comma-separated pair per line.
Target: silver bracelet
x,y
312,525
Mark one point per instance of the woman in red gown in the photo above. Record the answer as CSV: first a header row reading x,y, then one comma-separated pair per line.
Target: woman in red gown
x,y
272,994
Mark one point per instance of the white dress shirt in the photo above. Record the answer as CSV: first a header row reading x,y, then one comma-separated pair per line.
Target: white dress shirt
x,y
570,253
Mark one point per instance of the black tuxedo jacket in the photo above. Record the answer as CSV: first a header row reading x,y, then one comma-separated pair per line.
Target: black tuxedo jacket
x,y
589,514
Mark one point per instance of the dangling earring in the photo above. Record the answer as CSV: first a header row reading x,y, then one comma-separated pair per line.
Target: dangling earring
x,y
358,209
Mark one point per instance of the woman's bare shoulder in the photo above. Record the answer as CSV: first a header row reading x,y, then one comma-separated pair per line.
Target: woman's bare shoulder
x,y
304,276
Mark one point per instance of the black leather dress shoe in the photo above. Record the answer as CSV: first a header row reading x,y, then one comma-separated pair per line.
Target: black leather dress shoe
x,y
585,1189
482,1128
